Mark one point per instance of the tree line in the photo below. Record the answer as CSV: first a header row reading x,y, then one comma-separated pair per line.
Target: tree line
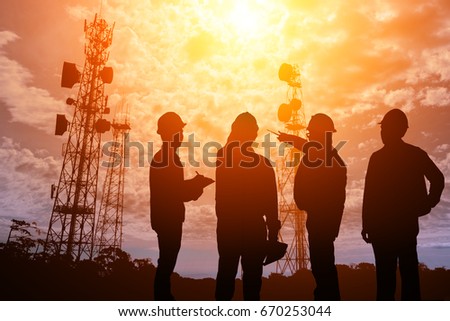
x,y
28,274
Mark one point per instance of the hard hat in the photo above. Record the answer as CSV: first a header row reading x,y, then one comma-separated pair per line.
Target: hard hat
x,y
321,123
170,123
244,122
395,118
275,251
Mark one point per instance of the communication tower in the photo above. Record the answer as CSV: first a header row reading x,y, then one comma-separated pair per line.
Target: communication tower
x,y
293,220
71,227
108,230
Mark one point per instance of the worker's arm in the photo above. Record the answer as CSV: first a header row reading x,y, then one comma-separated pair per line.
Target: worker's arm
x,y
293,140
436,179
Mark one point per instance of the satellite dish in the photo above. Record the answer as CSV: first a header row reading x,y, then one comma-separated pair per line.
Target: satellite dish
x,y
296,104
286,72
284,112
102,126
107,75
70,101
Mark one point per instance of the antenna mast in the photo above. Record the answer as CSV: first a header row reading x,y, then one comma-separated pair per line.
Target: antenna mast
x,y
71,227
108,232
293,220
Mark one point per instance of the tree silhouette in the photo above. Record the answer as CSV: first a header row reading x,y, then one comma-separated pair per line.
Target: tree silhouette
x,y
112,259
20,242
113,275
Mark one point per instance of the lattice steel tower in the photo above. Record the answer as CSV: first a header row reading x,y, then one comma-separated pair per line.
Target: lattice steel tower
x,y
71,228
108,231
293,220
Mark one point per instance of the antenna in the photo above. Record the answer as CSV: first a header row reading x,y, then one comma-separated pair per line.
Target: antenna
x,y
100,7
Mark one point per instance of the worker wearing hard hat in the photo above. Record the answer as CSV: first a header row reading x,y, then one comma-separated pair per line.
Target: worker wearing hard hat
x,y
247,212
319,189
395,196
168,193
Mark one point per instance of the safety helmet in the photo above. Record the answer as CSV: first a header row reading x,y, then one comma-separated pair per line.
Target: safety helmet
x,y
170,123
274,251
244,122
321,123
395,118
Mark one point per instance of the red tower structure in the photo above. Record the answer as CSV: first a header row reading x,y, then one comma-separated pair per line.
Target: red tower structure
x,y
293,220
71,227
108,231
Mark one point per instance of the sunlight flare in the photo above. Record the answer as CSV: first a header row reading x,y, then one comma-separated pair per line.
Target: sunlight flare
x,y
245,18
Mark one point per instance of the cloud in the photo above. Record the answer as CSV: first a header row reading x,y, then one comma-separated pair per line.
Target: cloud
x,y
436,97
368,145
27,104
79,12
201,46
399,97
442,148
431,64
200,223
354,195
26,178
444,164
7,37
438,245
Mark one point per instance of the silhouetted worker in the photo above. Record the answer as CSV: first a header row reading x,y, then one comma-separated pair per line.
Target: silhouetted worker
x,y
395,196
168,192
245,194
319,189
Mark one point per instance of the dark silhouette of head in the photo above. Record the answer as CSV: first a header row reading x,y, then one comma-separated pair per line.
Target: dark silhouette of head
x,y
244,128
170,128
393,126
320,127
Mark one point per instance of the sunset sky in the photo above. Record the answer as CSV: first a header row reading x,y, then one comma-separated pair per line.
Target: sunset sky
x,y
210,61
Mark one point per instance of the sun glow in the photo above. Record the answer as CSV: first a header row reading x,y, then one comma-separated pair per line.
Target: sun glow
x,y
237,28
245,18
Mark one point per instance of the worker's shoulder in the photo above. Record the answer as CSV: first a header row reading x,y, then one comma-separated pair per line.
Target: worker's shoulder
x,y
410,150
403,150
414,149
